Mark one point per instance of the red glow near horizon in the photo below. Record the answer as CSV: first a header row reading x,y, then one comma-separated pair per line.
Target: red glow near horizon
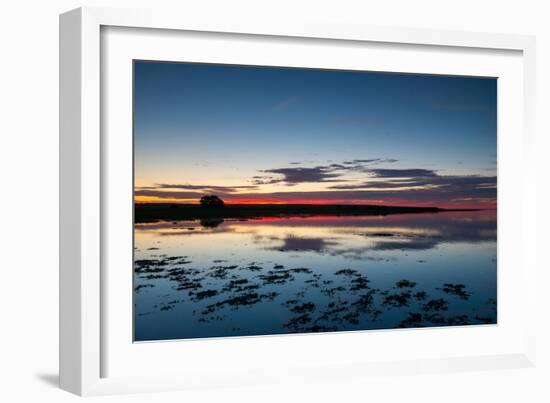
x,y
473,204
404,203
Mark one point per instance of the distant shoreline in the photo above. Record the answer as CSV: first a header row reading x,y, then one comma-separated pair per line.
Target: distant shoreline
x,y
150,212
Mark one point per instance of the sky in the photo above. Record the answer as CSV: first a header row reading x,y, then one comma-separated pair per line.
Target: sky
x,y
285,135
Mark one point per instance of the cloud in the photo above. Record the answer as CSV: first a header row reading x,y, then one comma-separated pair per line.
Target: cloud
x,y
376,185
402,173
321,173
422,182
371,161
337,166
168,195
292,176
202,188
393,186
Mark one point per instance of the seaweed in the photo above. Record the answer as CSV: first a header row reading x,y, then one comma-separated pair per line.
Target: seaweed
x,y
305,307
398,300
439,304
205,294
458,290
405,284
141,286
412,320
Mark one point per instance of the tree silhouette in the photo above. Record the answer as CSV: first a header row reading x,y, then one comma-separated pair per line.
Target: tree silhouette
x,y
211,201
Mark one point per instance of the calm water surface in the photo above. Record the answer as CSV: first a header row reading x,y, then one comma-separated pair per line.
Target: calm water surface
x,y
287,275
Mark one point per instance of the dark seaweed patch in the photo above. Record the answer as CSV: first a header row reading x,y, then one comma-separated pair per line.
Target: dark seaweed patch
x,y
303,270
253,267
435,319
306,307
405,284
221,272
276,277
205,294
188,285
152,276
141,286
420,295
458,290
359,283
346,272
439,304
412,320
298,321
398,300
332,291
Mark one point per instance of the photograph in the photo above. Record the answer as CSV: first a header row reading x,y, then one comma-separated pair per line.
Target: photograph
x,y
273,200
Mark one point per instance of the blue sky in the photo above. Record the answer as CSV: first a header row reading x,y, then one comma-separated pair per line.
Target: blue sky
x,y
205,125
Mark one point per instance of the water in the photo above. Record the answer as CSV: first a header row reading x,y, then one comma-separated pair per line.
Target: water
x,y
292,275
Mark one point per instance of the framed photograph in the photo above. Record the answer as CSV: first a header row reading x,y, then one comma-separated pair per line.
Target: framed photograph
x,y
247,202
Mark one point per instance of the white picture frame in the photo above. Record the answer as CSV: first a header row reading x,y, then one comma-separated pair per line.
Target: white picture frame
x,y
85,344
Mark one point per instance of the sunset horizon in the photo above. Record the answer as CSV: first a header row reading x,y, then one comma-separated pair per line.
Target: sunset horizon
x,y
144,201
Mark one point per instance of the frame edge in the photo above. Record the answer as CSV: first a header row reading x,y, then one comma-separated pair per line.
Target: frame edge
x,y
79,309
70,119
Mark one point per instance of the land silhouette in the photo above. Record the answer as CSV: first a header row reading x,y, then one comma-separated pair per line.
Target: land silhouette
x,y
211,201
212,207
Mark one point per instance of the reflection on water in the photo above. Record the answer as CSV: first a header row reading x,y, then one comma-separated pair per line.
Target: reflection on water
x,y
217,277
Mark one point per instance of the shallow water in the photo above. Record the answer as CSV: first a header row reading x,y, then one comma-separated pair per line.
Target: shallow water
x,y
288,275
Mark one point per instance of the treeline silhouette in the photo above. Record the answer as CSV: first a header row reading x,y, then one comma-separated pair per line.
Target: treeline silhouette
x,y
159,211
